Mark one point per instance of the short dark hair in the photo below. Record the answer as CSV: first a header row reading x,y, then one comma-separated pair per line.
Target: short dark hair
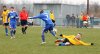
x,y
23,7
80,34
4,6
41,11
12,7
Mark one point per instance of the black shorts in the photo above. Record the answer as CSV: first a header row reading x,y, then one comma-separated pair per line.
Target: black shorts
x,y
53,21
23,22
6,24
66,40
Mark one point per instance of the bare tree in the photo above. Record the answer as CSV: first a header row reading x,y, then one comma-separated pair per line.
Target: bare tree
x,y
95,9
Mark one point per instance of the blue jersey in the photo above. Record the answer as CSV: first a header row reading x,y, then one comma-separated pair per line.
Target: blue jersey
x,y
13,16
13,19
44,17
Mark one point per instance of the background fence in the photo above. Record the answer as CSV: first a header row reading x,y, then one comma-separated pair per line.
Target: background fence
x,y
61,22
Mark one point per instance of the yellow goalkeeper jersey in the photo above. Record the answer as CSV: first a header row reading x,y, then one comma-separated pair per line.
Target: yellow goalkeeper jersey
x,y
4,16
75,41
52,16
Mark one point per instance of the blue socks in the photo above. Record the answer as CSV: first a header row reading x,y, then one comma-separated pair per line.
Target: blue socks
x,y
62,44
6,30
11,32
43,37
53,33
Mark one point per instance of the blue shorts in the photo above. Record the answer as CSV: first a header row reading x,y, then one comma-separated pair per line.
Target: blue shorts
x,y
48,27
13,25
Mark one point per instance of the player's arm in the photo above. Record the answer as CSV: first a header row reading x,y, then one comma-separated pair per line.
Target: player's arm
x,y
2,15
16,14
39,16
64,36
8,16
17,18
83,43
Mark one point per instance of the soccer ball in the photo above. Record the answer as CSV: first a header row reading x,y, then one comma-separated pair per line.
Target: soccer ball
x,y
55,30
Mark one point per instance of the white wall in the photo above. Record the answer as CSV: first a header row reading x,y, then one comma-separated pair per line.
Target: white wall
x,y
50,1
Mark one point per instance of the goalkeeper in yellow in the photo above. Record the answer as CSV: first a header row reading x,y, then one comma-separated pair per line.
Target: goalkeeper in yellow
x,y
71,40
4,19
52,17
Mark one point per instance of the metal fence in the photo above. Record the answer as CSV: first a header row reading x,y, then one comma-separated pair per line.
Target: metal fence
x,y
61,22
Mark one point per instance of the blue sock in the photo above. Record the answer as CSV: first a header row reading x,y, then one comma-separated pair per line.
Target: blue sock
x,y
43,37
53,33
11,32
6,30
62,44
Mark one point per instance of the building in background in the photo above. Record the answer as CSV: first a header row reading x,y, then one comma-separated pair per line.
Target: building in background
x,y
61,8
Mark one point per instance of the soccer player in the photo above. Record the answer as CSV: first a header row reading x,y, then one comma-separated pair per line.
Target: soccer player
x,y
71,40
13,21
23,19
85,20
4,19
52,17
48,24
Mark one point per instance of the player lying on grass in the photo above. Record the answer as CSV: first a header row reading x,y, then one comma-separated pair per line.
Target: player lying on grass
x,y
71,40
48,24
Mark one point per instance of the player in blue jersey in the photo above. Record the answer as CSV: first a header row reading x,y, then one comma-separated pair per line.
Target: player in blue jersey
x,y
13,21
48,24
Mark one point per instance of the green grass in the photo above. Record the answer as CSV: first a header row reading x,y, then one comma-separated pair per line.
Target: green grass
x,y
30,43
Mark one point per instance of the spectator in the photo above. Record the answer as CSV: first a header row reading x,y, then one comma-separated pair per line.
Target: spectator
x,y
91,20
77,22
80,20
68,20
85,20
73,20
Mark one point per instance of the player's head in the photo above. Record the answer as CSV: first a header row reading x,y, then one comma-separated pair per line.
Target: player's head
x,y
78,36
5,8
24,8
12,8
51,11
41,11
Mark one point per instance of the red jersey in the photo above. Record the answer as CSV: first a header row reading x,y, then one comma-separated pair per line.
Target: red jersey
x,y
85,18
23,15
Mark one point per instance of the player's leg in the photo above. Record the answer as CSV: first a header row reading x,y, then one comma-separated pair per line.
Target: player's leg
x,y
6,29
52,32
54,22
64,44
14,28
14,32
54,29
25,26
11,32
11,29
43,31
43,36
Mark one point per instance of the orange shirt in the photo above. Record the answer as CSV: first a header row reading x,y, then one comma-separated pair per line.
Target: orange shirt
x,y
23,15
85,18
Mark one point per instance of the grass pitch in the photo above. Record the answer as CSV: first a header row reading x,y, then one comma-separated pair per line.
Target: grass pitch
x,y
30,43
